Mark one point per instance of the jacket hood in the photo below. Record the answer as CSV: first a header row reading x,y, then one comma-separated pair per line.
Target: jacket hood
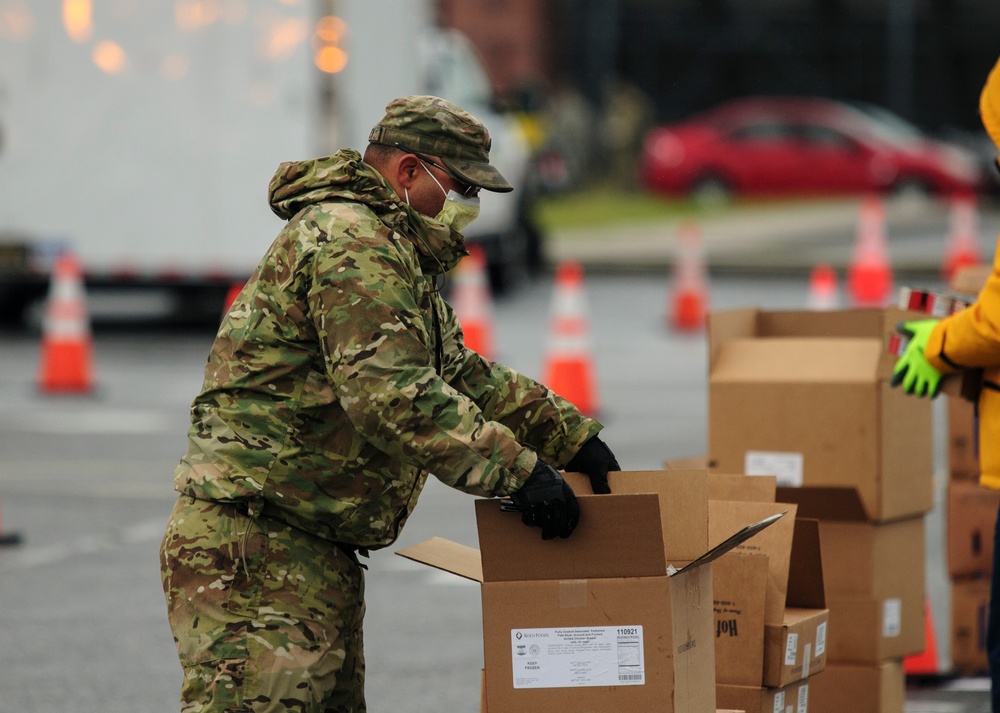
x,y
345,177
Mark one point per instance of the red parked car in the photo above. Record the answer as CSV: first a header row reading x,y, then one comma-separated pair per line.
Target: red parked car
x,y
784,146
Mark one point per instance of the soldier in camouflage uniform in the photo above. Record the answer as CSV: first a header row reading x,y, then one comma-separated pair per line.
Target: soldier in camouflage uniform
x,y
338,380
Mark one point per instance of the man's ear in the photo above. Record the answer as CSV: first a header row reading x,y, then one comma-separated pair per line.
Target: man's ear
x,y
406,169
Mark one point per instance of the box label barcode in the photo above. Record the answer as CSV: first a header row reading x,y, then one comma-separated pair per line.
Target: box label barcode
x,y
791,648
892,617
578,656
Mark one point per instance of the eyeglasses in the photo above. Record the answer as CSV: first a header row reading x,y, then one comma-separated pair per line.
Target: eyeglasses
x,y
466,189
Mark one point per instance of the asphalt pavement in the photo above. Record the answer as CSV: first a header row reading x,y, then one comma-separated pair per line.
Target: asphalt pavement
x,y
86,480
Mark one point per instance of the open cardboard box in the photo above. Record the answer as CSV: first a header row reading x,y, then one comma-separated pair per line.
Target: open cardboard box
x,y
597,621
758,640
805,396
769,633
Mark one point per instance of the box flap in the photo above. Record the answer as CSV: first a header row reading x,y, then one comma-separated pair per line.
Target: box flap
x,y
683,503
618,536
970,279
746,488
776,543
825,502
790,360
448,556
813,323
805,572
689,463
734,540
797,615
730,324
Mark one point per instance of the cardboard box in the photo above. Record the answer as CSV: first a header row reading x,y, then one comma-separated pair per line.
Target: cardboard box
x,y
879,688
751,583
592,622
755,582
805,396
689,463
963,440
971,521
796,648
739,590
873,574
744,488
970,279
794,697
970,601
683,500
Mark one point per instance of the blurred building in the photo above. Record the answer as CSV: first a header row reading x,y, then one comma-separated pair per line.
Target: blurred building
x,y
924,59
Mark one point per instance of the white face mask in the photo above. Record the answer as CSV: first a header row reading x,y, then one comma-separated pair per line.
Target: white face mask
x,y
458,210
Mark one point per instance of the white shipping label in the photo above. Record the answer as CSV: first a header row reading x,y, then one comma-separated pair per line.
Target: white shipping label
x,y
806,660
791,648
779,702
892,617
578,656
803,704
786,467
821,639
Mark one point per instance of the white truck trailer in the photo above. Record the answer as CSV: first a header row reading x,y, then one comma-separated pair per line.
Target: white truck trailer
x,y
142,136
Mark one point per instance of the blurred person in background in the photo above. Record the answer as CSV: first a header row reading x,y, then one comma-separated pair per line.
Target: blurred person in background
x,y
337,382
967,340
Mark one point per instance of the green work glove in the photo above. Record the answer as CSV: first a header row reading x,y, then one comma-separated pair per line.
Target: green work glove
x,y
912,369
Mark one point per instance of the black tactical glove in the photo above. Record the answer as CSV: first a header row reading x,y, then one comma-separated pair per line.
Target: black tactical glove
x,y
595,459
546,501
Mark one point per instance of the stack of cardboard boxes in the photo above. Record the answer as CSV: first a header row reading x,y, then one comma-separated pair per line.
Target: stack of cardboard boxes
x,y
970,519
805,397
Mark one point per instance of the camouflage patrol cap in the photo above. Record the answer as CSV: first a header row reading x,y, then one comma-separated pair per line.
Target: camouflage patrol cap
x,y
436,127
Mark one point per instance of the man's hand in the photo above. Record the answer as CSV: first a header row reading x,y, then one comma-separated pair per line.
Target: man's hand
x,y
595,459
546,501
912,369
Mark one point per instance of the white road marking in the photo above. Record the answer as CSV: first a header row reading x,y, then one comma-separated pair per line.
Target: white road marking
x,y
95,421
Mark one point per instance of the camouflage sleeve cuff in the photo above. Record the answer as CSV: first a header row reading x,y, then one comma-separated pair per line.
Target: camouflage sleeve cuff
x,y
564,446
517,473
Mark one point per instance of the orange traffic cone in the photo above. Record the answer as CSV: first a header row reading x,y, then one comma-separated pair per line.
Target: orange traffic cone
x,y
67,347
869,276
823,288
926,662
472,302
963,239
568,369
689,293
231,295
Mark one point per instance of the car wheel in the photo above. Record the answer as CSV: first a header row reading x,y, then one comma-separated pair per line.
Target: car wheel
x,y
912,187
710,189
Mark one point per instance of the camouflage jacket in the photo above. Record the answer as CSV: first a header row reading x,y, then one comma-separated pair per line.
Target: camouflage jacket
x,y
339,378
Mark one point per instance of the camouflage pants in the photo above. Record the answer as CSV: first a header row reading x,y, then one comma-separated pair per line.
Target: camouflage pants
x,y
265,620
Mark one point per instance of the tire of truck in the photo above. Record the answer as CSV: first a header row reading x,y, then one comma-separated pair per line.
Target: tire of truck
x,y
519,255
